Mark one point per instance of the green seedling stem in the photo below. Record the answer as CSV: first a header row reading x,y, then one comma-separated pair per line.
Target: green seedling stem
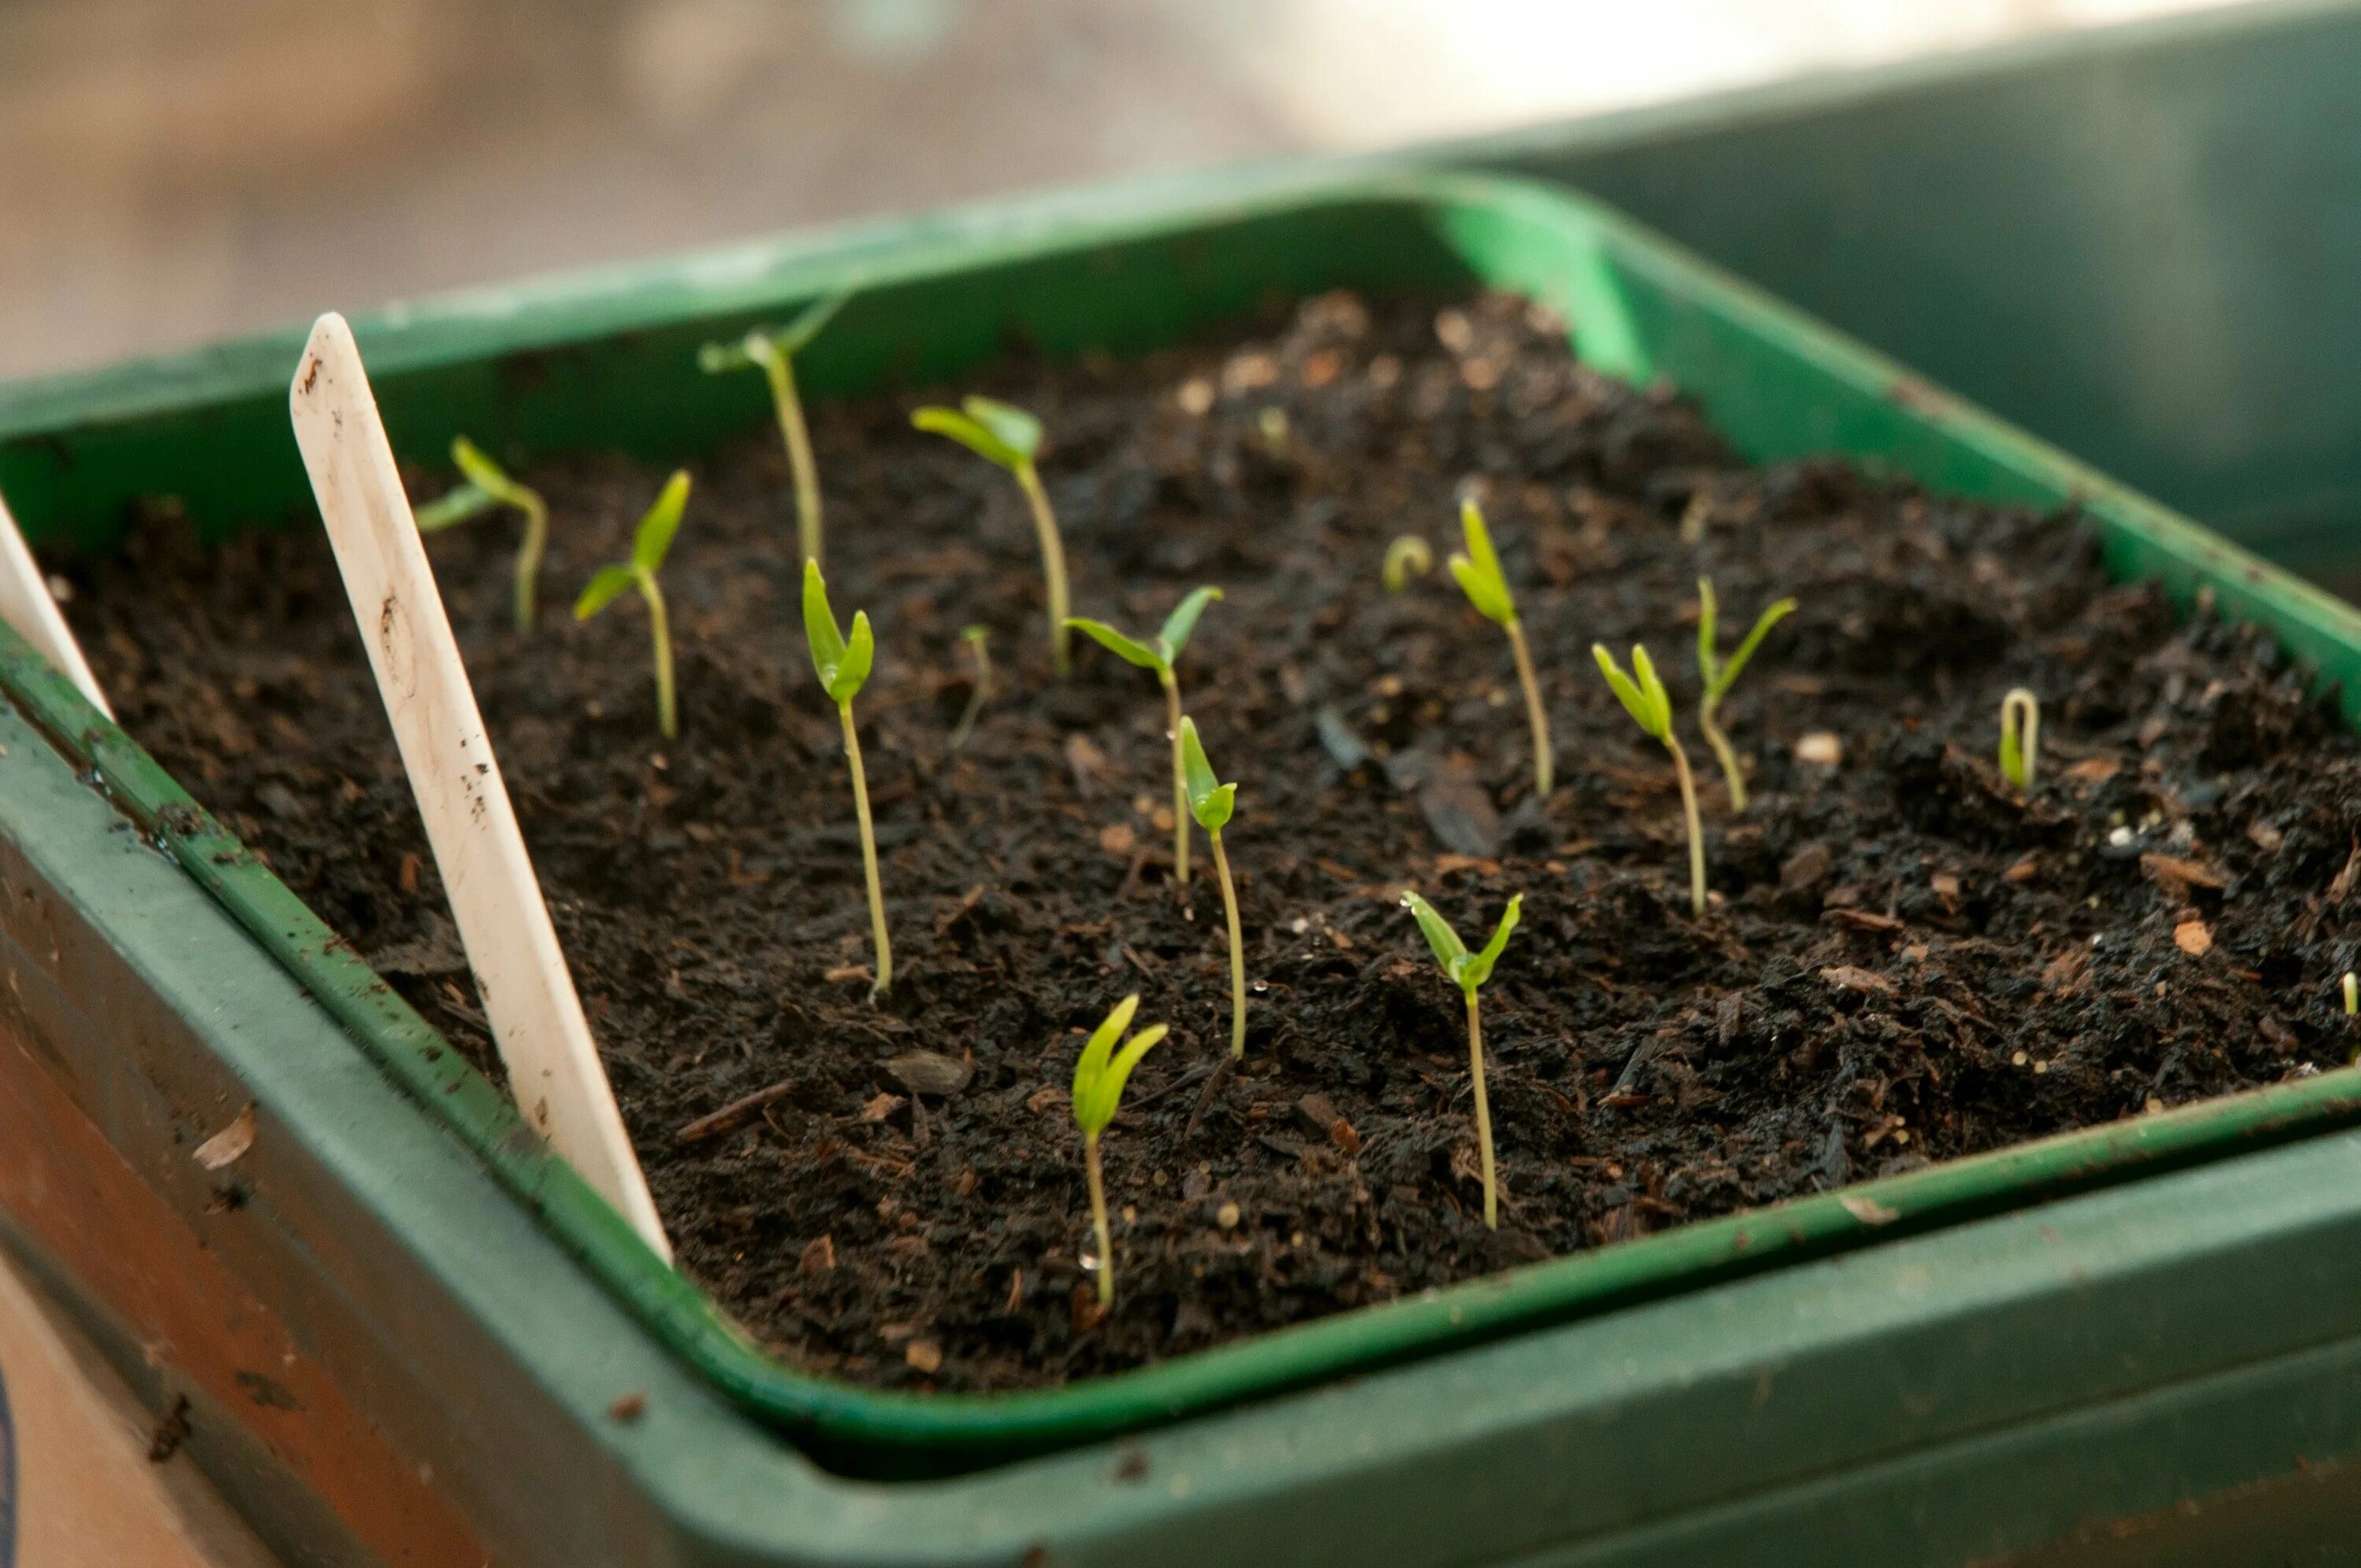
x,y
2020,736
1644,697
649,546
979,646
1469,971
1212,804
1162,653
773,351
1719,675
842,664
486,486
1478,572
1099,1077
1009,436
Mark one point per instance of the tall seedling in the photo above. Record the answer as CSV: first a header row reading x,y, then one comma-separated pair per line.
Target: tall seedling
x,y
1719,675
489,486
649,546
1469,971
1212,803
1099,1079
842,664
1644,697
1010,437
1481,578
773,351
1160,654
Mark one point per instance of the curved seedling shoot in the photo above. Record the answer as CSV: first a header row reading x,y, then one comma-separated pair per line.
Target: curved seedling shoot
x,y
842,664
1719,675
649,546
1479,571
1407,557
1160,654
486,486
1010,437
1099,1077
2020,736
773,351
1469,971
1644,697
1212,804
978,644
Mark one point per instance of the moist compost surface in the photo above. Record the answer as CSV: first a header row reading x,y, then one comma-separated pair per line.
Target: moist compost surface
x,y
1905,959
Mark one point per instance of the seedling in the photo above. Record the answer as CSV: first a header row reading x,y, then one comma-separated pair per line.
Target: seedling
x,y
842,664
1479,571
1160,654
1212,804
649,546
1012,438
1099,1077
1469,971
774,350
488,485
2351,994
978,640
2020,736
1644,697
1405,558
1719,676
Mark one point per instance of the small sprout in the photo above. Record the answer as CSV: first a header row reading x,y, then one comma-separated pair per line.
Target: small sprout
x,y
1160,654
2020,736
488,485
774,350
2351,994
649,546
842,664
1469,971
1719,676
1212,804
1012,438
1099,1077
978,644
1644,697
1271,423
1479,571
1405,558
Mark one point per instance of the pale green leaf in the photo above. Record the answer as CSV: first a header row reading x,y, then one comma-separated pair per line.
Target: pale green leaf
x,y
457,507
1117,643
1449,950
1478,968
977,439
1211,802
603,589
1478,570
1010,425
797,335
653,540
1106,1094
819,624
1635,699
1182,622
851,672
1769,618
1090,1067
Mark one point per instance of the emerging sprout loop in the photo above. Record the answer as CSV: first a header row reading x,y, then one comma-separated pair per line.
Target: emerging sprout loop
x,y
1469,971
1407,557
1001,433
1099,1079
1212,804
1478,570
1719,675
979,646
488,485
842,664
1644,698
774,350
649,546
2020,736
1162,653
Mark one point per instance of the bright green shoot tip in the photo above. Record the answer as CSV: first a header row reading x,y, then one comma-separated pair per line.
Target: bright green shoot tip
x,y
2020,736
1478,570
1469,971
1162,653
842,664
1407,557
1099,1079
649,547
1644,697
1720,675
1009,436
1211,803
772,350
485,485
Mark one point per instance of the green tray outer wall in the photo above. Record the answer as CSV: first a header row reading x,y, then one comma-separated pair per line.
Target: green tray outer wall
x,y
1638,307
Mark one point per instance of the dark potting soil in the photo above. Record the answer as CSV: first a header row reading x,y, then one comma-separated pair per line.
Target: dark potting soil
x,y
1904,960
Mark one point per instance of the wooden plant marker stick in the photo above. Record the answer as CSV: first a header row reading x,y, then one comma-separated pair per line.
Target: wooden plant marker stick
x,y
32,614
529,998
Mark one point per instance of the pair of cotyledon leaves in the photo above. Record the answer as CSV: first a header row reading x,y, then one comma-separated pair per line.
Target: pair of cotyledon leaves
x,y
842,663
649,547
1102,1072
488,485
1161,652
995,431
1467,970
765,345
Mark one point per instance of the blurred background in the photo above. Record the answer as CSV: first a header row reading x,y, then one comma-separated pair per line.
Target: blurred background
x,y
175,170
